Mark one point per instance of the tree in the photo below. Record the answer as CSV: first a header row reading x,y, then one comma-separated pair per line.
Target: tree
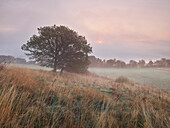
x,y
120,64
150,64
111,62
60,48
141,63
133,63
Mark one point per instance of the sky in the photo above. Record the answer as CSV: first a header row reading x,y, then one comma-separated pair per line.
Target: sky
x,y
121,29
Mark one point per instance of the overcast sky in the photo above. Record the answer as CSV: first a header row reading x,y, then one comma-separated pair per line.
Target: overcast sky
x,y
122,29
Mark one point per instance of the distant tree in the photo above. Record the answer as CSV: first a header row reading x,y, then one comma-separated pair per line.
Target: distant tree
x,y
141,63
96,62
93,61
111,62
158,63
150,64
133,63
60,48
164,62
120,64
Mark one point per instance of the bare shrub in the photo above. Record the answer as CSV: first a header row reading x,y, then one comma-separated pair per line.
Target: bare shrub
x,y
122,79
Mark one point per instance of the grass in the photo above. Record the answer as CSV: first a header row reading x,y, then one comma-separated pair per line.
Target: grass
x,y
35,98
147,76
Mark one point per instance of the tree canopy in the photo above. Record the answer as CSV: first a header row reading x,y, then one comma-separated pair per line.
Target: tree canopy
x,y
60,48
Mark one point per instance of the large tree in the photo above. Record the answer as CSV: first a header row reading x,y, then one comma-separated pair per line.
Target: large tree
x,y
60,48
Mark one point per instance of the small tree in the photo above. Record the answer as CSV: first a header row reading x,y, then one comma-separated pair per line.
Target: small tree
x,y
141,63
111,62
60,48
150,64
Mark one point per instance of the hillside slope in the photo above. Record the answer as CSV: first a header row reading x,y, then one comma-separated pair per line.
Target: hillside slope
x,y
36,98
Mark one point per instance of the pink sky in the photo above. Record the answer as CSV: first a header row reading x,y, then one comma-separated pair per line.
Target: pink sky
x,y
122,29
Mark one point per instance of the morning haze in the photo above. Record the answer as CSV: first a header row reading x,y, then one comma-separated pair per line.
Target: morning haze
x,y
131,29
90,64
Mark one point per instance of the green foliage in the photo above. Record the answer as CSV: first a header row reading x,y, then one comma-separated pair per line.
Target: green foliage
x,y
59,47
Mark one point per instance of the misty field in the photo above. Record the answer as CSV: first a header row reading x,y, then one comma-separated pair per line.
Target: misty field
x,y
146,76
31,66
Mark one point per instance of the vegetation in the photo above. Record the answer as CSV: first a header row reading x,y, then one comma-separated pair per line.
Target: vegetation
x,y
122,79
59,47
157,77
36,98
113,63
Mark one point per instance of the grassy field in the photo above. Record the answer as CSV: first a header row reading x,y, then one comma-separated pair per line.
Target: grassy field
x,y
32,66
159,78
147,76
37,98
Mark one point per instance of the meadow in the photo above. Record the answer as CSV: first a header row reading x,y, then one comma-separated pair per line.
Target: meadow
x,y
147,76
31,66
158,78
39,98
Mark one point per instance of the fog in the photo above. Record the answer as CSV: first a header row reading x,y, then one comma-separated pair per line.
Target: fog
x,y
115,28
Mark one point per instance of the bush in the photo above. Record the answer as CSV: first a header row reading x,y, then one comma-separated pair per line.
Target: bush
x,y
122,79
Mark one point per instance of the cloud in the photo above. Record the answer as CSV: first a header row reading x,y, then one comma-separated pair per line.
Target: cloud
x,y
7,29
127,29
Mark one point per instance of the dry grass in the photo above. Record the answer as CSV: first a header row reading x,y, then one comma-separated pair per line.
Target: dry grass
x,y
32,98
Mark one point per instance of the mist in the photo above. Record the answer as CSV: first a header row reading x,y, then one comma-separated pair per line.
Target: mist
x,y
125,29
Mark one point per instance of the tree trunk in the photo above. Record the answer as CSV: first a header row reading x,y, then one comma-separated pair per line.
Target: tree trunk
x,y
61,71
55,66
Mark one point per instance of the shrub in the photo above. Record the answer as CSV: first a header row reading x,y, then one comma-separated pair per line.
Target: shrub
x,y
122,79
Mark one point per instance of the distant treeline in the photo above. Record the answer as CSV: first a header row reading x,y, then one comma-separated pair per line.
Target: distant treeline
x,y
11,59
113,63
96,62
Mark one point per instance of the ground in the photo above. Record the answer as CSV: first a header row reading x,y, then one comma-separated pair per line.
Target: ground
x,y
147,76
37,98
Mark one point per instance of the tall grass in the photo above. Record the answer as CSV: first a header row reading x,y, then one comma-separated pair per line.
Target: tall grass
x,y
35,98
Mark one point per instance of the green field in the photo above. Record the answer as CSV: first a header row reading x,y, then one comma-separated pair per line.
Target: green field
x,y
147,76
